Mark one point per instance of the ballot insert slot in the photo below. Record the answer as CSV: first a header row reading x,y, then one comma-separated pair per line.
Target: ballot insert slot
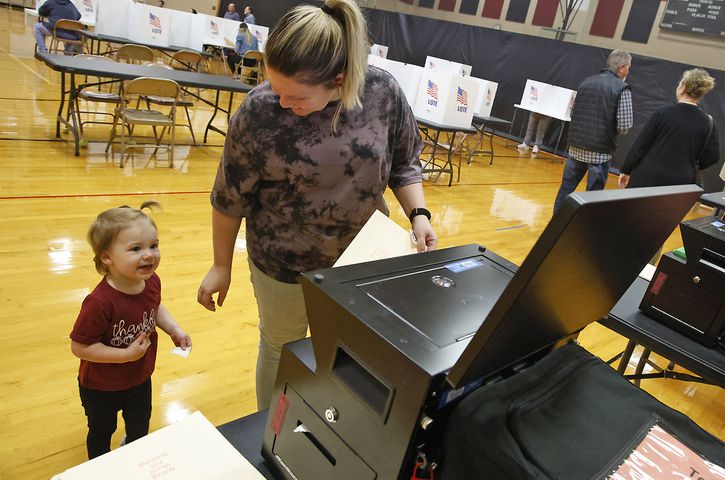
x,y
713,260
365,385
301,428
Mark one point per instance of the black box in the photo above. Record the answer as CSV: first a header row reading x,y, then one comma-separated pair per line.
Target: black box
x,y
396,343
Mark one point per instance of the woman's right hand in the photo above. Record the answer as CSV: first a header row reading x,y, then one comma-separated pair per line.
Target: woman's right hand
x,y
217,280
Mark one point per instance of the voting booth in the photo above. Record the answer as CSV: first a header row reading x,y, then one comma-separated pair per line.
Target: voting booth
x,y
185,31
547,99
112,18
87,9
379,50
483,102
261,33
407,75
149,25
442,65
445,98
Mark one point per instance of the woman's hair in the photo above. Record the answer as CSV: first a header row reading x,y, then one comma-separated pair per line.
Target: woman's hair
x,y
697,82
317,44
110,223
244,28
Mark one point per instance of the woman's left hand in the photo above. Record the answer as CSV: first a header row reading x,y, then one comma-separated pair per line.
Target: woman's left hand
x,y
623,180
424,234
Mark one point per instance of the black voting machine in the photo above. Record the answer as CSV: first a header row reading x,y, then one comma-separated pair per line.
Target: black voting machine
x,y
688,295
396,343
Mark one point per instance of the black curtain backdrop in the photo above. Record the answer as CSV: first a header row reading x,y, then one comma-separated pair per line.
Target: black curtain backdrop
x,y
510,58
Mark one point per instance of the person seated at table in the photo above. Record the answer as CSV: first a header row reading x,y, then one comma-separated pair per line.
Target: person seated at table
x,y
244,43
54,10
538,124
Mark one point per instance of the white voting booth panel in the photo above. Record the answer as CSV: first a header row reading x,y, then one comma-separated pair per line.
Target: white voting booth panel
x,y
87,9
407,75
446,99
213,31
483,102
149,25
379,50
261,33
185,31
112,18
440,64
548,99
189,449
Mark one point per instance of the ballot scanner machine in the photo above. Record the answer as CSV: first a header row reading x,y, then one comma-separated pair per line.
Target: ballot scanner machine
x,y
396,343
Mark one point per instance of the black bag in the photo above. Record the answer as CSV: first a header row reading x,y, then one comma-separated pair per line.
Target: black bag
x,y
569,416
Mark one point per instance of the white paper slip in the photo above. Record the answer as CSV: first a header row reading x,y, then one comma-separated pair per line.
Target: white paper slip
x,y
191,448
647,272
182,353
379,238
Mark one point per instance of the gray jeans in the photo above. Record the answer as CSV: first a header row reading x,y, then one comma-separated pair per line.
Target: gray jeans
x,y
41,31
282,319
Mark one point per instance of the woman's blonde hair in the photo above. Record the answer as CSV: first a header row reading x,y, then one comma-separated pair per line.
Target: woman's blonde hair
x,y
697,82
109,224
317,44
247,34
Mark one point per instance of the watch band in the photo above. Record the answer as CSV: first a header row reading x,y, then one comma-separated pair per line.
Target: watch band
x,y
419,211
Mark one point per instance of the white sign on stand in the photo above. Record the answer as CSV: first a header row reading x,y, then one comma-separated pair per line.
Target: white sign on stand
x,y
112,18
149,25
486,94
440,64
446,99
185,32
379,50
87,9
547,99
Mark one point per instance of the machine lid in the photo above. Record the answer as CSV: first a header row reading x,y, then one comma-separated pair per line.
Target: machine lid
x,y
588,255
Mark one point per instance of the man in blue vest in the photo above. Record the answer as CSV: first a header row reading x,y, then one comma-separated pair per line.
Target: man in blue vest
x,y
602,111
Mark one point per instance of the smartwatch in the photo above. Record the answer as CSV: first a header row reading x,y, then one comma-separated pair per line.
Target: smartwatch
x,y
419,211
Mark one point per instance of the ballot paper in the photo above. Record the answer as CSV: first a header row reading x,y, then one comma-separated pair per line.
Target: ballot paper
x,y
191,448
379,238
181,352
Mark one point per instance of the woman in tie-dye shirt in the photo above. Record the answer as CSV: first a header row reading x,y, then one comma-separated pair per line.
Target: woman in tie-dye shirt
x,y
306,161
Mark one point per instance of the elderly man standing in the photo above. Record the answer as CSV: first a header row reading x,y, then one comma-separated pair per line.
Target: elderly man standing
x,y
54,10
603,110
232,13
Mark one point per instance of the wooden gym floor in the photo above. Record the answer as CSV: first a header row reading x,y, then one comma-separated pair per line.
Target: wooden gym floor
x,y
48,198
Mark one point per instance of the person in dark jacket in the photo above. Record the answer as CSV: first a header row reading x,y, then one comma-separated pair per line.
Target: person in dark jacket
x,y
602,111
677,140
54,10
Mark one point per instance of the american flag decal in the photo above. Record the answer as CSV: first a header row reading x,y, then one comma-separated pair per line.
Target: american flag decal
x,y
214,28
534,93
432,90
462,97
87,4
154,20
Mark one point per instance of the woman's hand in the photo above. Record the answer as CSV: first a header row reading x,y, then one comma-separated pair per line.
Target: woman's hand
x,y
424,233
623,180
217,280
